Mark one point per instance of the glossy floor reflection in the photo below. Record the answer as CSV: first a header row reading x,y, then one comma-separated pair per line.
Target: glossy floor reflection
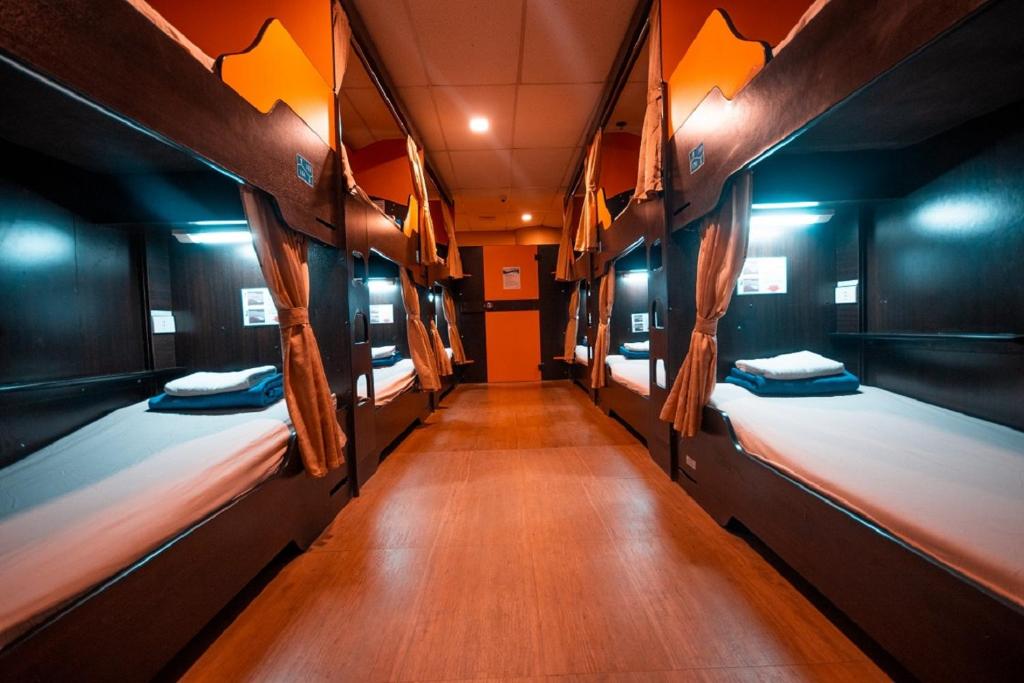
x,y
523,535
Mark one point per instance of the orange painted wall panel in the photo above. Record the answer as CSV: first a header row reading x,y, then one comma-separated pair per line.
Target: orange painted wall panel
x,y
513,345
382,170
620,156
498,257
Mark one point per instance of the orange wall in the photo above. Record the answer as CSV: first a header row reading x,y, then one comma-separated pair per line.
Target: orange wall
x,y
513,346
382,170
498,257
523,236
620,155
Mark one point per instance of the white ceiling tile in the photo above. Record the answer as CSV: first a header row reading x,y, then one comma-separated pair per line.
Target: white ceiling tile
x,y
456,105
573,41
442,165
553,115
468,42
420,105
542,167
355,73
491,168
392,32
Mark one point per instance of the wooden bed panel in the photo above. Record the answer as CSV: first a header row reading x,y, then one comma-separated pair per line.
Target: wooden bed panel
x,y
630,407
933,622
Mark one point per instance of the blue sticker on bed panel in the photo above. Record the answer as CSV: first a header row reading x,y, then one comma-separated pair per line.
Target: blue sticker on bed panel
x,y
304,169
696,158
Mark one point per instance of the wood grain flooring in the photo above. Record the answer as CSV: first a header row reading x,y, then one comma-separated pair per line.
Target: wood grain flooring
x,y
522,535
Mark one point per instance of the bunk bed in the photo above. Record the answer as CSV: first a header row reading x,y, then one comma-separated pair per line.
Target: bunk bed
x,y
901,511
388,400
177,524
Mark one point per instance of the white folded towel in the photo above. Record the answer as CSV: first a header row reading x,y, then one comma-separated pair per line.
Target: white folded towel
x,y
205,383
613,358
638,346
382,351
799,365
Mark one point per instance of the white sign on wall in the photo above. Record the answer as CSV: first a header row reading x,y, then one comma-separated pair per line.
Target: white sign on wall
x,y
639,322
762,275
382,314
258,307
511,278
846,291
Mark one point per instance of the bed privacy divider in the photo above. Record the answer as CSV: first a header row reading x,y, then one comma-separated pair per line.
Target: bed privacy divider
x,y
862,174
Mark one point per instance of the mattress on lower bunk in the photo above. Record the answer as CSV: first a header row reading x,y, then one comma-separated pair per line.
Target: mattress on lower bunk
x,y
583,354
632,373
389,382
948,485
80,510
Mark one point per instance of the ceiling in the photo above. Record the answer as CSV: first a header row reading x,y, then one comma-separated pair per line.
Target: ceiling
x,y
535,68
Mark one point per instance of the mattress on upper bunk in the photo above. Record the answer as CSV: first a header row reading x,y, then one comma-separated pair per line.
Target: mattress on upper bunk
x,y
160,22
389,382
583,354
632,373
948,485
78,511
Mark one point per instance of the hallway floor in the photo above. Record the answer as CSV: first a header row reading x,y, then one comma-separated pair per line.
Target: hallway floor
x,y
523,535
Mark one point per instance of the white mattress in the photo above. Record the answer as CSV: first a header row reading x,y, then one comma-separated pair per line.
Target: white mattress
x,y
388,382
158,20
583,354
78,511
632,373
949,485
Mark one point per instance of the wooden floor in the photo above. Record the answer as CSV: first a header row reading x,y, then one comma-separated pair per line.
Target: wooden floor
x,y
523,535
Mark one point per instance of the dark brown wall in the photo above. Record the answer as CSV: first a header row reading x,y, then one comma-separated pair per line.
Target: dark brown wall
x,y
393,333
206,282
630,297
553,300
469,300
72,292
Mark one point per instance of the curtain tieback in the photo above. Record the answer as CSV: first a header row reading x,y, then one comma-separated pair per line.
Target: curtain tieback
x,y
292,317
708,327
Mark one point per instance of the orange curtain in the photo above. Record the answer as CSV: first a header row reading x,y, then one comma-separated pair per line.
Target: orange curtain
x,y
454,336
419,342
723,247
564,264
444,363
572,326
605,301
454,258
282,257
424,223
586,234
652,135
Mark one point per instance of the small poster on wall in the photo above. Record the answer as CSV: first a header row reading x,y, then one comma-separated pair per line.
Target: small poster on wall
x,y
258,307
511,278
763,275
639,322
382,314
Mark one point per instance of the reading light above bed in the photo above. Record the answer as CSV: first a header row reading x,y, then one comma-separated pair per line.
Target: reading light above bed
x,y
380,284
635,275
213,236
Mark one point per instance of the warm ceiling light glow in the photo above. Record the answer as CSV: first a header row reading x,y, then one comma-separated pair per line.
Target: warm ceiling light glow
x,y
479,124
527,217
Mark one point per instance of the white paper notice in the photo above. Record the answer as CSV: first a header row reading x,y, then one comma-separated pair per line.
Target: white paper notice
x,y
639,322
511,278
382,314
257,307
763,275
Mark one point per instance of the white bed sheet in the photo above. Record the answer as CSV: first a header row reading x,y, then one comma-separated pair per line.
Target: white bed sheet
x,y
632,373
388,382
160,22
78,511
583,354
949,485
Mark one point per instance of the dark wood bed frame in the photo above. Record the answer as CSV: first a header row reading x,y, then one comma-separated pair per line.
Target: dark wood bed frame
x,y
936,623
630,407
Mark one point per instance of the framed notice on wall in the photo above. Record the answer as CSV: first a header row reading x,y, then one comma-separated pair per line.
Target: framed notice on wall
x,y
382,314
258,307
763,275
639,321
511,277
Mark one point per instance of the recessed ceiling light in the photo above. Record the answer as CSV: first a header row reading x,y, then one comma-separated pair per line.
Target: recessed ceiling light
x,y
479,124
527,217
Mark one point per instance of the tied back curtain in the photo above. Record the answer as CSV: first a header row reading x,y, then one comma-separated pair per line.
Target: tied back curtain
x,y
282,257
454,336
572,326
723,247
455,271
586,234
444,364
419,342
564,264
424,223
652,135
606,299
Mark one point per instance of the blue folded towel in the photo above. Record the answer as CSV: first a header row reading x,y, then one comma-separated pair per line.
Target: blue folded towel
x,y
845,383
268,391
634,355
386,361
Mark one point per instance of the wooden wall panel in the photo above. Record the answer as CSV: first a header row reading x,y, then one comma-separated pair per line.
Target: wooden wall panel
x,y
469,300
630,297
553,298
